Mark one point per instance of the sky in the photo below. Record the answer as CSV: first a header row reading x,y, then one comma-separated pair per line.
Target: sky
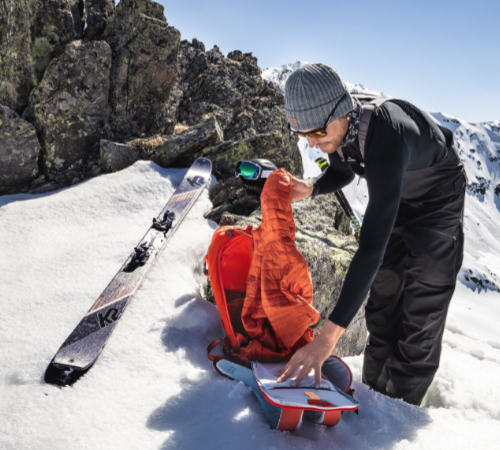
x,y
441,55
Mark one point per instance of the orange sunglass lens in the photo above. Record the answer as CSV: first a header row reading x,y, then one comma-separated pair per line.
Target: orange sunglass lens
x,y
317,134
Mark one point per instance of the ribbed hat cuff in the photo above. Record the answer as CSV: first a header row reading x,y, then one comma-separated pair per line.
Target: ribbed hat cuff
x,y
315,117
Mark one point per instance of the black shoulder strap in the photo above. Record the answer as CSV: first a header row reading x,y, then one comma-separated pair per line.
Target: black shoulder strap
x,y
371,103
364,121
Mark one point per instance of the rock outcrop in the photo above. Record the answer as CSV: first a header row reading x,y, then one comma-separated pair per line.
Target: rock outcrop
x,y
249,109
98,14
17,68
32,32
55,24
71,109
144,67
19,149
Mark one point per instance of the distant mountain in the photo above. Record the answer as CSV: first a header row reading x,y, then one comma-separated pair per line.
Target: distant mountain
x,y
279,75
478,145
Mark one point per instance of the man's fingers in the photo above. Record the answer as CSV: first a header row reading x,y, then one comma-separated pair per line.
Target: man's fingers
x,y
317,375
288,370
301,375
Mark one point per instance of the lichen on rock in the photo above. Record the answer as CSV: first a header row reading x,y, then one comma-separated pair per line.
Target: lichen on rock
x,y
144,66
71,108
17,67
19,149
98,14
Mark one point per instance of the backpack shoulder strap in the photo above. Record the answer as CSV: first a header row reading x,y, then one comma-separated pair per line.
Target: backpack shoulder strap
x,y
364,121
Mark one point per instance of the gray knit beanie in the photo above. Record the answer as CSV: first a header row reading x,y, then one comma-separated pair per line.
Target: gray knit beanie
x,y
311,92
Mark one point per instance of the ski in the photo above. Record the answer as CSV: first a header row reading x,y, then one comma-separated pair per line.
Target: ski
x,y
346,207
83,346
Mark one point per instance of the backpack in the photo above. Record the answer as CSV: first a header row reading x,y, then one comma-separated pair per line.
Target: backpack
x,y
370,103
227,263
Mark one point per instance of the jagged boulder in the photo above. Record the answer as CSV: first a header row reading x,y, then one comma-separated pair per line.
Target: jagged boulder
x,y
56,23
19,149
32,32
249,109
71,109
179,150
115,156
98,14
144,66
328,253
17,69
182,148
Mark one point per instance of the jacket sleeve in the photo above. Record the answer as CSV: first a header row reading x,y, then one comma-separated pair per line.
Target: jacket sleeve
x,y
337,176
385,164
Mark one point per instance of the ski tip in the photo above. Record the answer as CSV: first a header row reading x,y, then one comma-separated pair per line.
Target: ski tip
x,y
204,162
61,377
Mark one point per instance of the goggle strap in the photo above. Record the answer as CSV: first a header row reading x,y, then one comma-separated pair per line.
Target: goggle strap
x,y
266,173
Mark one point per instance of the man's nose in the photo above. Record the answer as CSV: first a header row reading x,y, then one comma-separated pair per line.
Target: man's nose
x,y
311,141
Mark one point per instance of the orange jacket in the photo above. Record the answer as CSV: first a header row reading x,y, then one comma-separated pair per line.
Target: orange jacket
x,y
277,309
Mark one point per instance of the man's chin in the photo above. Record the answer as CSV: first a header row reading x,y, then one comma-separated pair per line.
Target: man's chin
x,y
327,148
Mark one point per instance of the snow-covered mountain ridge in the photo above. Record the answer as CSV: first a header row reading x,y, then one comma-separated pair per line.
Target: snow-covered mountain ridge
x,y
478,145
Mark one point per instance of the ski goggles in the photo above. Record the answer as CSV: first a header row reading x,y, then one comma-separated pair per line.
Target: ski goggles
x,y
250,171
320,132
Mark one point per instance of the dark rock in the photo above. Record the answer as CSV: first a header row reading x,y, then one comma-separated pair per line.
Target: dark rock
x,y
32,32
267,145
229,196
232,89
71,108
115,156
144,66
328,254
19,149
182,148
56,23
17,69
98,14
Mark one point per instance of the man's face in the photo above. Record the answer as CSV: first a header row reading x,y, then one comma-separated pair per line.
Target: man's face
x,y
335,132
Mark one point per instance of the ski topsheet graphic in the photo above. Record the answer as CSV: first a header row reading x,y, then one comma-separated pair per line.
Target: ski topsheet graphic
x,y
84,344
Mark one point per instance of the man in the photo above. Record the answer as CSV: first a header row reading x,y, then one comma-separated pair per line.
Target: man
x,y
411,243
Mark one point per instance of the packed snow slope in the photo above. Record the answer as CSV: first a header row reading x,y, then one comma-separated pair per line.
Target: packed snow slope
x,y
153,387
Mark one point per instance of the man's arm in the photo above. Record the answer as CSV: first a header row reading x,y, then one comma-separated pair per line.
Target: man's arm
x,y
337,176
385,167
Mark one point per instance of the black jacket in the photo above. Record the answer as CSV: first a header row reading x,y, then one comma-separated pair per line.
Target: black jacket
x,y
408,158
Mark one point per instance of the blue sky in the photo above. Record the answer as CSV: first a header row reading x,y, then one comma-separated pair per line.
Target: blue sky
x,y
441,55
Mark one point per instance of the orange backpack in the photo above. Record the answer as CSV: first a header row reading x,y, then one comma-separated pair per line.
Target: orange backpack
x,y
263,292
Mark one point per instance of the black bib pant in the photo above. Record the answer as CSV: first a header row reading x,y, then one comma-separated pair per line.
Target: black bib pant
x,y
410,246
409,298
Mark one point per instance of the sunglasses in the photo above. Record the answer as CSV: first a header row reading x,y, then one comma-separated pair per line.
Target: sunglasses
x,y
321,131
250,171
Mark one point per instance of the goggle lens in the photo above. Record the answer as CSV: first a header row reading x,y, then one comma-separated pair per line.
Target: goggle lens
x,y
248,170
315,134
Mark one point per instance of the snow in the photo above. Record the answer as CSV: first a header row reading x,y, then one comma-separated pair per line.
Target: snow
x,y
153,386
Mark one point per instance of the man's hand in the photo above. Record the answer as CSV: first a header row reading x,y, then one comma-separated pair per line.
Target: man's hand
x,y
301,189
313,355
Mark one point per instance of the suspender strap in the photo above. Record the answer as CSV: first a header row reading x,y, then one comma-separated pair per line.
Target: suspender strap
x,y
364,121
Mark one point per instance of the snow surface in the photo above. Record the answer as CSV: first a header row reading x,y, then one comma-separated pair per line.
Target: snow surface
x,y
153,386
